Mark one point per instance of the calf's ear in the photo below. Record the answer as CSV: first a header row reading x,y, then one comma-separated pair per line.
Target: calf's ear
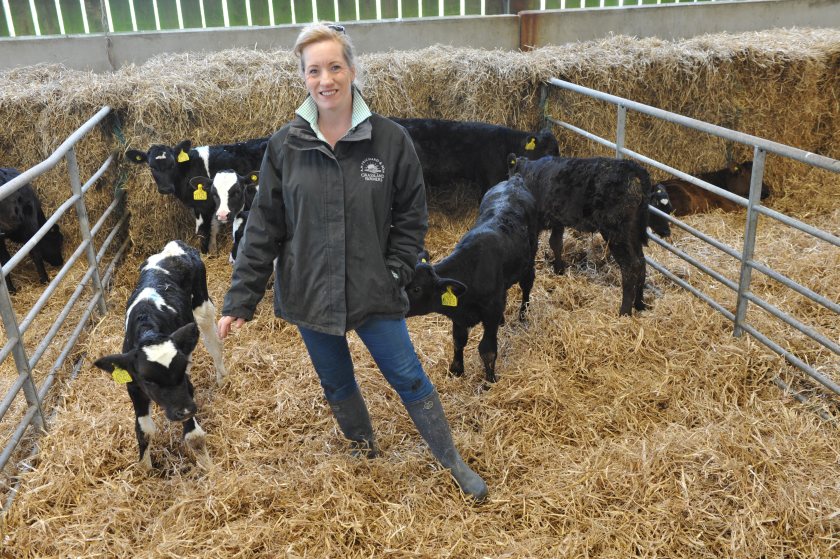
x,y
203,182
185,338
251,178
443,284
136,156
116,361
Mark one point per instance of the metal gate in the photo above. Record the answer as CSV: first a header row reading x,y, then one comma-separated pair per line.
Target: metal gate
x,y
761,148
33,419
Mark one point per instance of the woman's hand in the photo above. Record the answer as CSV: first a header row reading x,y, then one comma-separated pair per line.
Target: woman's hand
x,y
226,323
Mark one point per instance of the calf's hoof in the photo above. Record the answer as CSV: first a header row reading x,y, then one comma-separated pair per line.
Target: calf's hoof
x,y
456,368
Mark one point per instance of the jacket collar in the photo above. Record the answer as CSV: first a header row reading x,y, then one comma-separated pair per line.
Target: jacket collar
x,y
308,111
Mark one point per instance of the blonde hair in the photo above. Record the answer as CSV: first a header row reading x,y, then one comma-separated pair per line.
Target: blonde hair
x,y
324,31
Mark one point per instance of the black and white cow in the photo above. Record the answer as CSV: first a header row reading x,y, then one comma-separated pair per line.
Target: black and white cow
x,y
470,285
600,194
233,194
164,315
452,150
21,217
173,167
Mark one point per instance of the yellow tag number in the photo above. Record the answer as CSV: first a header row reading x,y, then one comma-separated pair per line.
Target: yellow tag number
x,y
200,193
531,145
449,299
120,376
182,157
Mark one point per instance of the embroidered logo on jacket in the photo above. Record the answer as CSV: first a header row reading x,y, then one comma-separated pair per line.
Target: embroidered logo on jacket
x,y
373,170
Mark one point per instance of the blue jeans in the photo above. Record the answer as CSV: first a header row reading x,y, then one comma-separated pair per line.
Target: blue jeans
x,y
389,345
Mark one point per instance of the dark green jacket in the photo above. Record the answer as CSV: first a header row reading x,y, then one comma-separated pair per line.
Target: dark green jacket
x,y
339,222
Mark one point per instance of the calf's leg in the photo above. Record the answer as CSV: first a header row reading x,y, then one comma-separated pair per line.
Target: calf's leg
x,y
460,334
555,241
5,257
630,270
144,426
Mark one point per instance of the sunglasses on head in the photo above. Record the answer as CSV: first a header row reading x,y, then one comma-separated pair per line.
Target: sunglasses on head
x,y
336,27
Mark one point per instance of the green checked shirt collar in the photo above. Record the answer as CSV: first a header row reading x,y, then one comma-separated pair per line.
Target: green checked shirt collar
x,y
309,112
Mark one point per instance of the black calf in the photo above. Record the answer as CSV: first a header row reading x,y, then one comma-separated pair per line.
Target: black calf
x,y
596,194
21,217
470,285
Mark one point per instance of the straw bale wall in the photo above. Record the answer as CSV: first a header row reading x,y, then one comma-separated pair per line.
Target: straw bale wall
x,y
656,435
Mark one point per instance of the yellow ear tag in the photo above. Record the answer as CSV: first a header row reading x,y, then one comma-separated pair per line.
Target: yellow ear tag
x,y
138,157
182,157
120,376
423,260
531,145
200,194
449,299
254,178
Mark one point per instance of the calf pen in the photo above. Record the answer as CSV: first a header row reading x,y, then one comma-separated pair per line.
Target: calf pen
x,y
652,435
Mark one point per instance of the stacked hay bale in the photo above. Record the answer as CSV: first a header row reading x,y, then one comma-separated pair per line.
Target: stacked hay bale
x,y
654,435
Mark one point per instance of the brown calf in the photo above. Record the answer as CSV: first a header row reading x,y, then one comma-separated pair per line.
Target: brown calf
x,y
687,198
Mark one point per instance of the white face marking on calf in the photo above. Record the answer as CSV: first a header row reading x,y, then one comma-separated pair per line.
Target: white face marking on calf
x,y
663,201
147,425
148,294
162,353
198,221
161,156
222,182
204,154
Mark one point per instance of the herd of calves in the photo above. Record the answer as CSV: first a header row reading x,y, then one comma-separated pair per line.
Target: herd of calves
x,y
527,188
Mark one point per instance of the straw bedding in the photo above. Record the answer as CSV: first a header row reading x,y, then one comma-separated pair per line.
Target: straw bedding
x,y
659,434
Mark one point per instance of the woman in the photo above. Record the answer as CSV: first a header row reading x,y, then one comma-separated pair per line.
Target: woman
x,y
342,207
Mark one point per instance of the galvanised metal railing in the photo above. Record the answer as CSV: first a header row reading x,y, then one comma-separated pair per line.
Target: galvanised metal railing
x,y
761,148
35,395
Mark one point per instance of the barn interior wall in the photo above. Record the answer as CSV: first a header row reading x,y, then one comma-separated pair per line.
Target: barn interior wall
x,y
105,52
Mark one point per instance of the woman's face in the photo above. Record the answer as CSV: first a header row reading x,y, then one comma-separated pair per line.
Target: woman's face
x,y
328,77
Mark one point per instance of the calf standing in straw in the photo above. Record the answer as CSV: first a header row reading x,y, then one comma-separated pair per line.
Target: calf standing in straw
x,y
170,299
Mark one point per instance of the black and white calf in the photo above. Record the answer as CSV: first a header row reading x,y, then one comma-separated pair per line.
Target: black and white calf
x,y
470,285
600,194
21,217
233,194
170,299
452,150
173,168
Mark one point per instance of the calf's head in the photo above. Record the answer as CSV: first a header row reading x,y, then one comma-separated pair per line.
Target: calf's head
x,y
539,145
231,188
160,368
428,292
516,165
50,246
660,200
163,161
737,180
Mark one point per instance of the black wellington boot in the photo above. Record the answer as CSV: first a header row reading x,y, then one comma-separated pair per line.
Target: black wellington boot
x,y
354,421
430,421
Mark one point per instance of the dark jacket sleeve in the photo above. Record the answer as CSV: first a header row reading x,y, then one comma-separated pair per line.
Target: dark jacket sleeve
x,y
409,217
266,227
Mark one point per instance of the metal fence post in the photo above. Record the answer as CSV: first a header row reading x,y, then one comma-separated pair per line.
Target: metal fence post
x,y
21,359
84,226
620,129
543,103
759,156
